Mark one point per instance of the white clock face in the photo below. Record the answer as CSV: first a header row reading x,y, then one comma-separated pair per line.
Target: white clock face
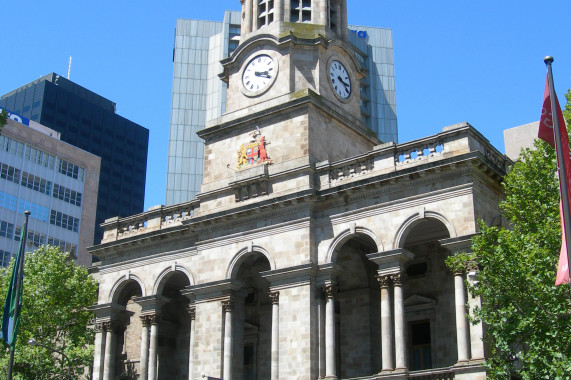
x,y
339,78
259,74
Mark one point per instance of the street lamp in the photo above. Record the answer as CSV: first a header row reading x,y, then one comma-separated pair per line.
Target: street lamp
x,y
33,342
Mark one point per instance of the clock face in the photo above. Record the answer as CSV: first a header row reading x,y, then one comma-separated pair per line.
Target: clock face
x,y
339,78
259,74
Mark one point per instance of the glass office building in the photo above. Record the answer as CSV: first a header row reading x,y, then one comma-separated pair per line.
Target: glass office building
x,y
89,122
199,95
55,181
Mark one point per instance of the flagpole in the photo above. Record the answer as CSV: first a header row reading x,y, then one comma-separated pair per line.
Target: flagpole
x,y
560,160
17,292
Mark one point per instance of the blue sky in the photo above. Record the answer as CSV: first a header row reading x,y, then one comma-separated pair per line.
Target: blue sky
x,y
455,61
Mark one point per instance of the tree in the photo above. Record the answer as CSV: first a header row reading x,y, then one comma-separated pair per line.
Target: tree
x,y
3,119
56,295
527,318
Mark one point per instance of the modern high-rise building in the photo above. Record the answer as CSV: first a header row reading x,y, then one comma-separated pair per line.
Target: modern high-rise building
x,y
198,94
55,181
89,122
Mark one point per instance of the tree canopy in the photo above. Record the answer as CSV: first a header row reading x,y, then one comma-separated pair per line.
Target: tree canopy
x,y
3,119
527,318
55,297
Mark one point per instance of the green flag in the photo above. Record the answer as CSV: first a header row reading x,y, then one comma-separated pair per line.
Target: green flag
x,y
13,304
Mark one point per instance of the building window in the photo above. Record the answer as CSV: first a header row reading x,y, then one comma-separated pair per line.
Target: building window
x,y
300,11
71,170
34,238
421,353
4,258
36,183
234,40
67,195
39,157
333,16
63,245
11,146
64,221
265,12
10,173
7,230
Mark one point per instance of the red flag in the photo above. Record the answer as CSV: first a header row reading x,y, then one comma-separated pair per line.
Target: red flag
x,y
546,133
563,267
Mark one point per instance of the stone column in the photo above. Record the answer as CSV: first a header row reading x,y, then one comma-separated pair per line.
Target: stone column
x,y
386,322
330,365
476,331
342,26
228,306
400,343
275,297
246,16
110,346
99,356
254,14
192,313
153,359
461,323
322,336
278,11
144,370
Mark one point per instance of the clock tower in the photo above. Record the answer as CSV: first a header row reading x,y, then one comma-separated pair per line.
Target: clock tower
x,y
293,100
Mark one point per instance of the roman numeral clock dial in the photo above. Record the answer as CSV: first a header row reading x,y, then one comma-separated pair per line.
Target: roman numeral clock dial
x,y
339,79
259,74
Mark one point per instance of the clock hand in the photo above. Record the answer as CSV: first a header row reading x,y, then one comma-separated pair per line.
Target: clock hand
x,y
264,74
344,83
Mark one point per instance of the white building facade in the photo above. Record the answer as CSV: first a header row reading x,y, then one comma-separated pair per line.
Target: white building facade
x,y
55,181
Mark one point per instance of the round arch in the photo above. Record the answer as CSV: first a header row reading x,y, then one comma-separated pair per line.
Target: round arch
x,y
346,235
242,255
413,220
120,285
167,272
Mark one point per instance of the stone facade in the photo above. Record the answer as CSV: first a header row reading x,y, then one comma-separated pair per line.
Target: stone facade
x,y
398,209
322,260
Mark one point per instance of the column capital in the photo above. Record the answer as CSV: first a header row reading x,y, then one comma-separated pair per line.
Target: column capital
x,y
398,279
154,319
192,312
228,305
145,320
384,281
99,327
329,290
275,297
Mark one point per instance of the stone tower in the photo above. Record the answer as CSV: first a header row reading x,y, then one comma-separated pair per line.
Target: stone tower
x,y
294,82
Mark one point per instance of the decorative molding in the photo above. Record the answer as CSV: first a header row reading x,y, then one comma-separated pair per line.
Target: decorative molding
x,y
192,312
398,279
384,281
275,297
228,305
329,290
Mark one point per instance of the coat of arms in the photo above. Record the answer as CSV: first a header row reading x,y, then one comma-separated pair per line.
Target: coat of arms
x,y
253,152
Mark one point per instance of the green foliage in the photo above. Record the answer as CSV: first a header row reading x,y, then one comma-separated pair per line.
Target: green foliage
x,y
56,295
527,318
3,119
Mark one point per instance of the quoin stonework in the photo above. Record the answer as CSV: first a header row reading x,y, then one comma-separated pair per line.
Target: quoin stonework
x,y
313,250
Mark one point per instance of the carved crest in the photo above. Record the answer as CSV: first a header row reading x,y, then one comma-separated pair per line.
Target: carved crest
x,y
253,152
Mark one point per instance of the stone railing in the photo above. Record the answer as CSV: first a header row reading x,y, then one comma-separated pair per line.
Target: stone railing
x,y
453,141
156,218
